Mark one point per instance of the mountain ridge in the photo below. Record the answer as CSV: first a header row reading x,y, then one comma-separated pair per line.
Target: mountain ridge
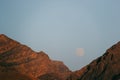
x,y
22,59
99,69
18,61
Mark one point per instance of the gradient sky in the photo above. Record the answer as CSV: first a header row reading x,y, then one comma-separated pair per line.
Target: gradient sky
x,y
62,27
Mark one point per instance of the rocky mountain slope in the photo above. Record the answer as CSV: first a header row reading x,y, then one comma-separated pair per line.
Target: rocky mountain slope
x,y
19,62
106,67
16,58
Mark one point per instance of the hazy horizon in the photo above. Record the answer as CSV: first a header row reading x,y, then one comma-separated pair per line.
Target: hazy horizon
x,y
73,31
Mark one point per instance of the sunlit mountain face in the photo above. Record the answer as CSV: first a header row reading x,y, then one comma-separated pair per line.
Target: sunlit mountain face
x,y
22,60
17,61
71,36
60,28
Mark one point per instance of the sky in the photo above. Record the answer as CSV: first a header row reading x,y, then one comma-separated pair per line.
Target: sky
x,y
73,31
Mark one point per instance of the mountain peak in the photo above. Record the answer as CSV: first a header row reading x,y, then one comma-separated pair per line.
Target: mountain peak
x,y
2,35
3,38
6,43
18,58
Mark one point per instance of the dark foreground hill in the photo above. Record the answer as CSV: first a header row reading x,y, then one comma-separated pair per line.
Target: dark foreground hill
x,y
19,62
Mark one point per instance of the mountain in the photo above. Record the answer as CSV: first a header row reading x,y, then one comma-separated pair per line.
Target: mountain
x,y
19,61
106,67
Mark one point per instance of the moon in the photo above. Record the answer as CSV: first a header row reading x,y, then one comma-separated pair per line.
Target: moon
x,y
80,52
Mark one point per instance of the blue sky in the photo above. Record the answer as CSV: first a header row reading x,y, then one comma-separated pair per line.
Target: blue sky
x,y
60,27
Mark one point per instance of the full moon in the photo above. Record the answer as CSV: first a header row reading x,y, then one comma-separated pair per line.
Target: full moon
x,y
80,52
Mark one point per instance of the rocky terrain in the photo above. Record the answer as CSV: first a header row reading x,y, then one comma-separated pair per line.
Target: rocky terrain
x,y
19,62
20,59
106,67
